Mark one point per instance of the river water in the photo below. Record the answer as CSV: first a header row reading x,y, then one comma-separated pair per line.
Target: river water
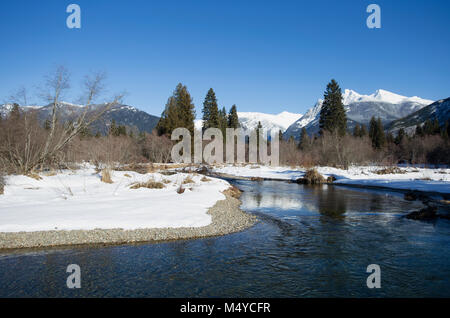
x,y
309,242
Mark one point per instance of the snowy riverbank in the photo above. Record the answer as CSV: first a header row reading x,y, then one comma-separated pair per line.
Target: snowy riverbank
x,y
76,206
406,178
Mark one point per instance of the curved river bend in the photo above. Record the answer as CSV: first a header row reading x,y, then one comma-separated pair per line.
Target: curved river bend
x,y
310,242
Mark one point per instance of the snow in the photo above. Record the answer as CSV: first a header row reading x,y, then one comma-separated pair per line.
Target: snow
x,y
271,122
421,179
79,200
349,96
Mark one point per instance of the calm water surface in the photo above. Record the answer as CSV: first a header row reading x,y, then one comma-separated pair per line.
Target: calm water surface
x,y
310,242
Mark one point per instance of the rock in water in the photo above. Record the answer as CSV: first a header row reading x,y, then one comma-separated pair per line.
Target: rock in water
x,y
425,214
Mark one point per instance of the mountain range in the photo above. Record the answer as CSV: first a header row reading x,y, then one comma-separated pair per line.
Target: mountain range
x,y
360,109
396,111
122,114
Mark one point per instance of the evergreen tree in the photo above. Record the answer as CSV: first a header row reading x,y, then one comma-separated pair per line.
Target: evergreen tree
x,y
357,131
445,130
400,136
47,124
390,138
179,112
210,111
332,115
223,122
304,139
113,129
14,114
376,133
419,130
363,131
280,135
185,108
233,119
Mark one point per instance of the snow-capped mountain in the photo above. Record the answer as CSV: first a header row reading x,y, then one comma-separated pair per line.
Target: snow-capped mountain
x,y
439,110
270,122
360,109
121,114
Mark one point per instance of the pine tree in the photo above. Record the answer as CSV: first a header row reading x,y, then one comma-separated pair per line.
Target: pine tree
x,y
233,119
332,115
400,136
210,111
113,130
304,139
376,133
419,130
223,122
357,131
47,124
14,114
363,132
280,135
179,112
185,108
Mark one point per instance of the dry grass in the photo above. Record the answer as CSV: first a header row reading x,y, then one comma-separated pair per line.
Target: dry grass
x,y
127,175
233,192
34,176
166,181
205,179
188,180
106,176
50,173
390,170
312,176
150,184
2,185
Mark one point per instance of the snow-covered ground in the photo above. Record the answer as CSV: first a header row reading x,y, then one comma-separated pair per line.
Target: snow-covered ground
x,y
78,200
435,180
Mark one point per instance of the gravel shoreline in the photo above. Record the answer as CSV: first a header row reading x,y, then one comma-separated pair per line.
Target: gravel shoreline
x,y
227,218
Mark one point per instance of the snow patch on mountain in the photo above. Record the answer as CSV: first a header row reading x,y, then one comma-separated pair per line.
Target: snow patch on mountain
x,y
270,122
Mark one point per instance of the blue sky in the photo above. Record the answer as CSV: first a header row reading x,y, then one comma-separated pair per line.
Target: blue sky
x,y
265,56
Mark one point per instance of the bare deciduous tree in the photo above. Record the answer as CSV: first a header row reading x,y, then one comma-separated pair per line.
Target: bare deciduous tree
x,y
38,148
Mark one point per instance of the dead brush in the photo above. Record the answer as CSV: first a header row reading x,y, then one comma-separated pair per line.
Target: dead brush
x,y
106,176
390,170
312,176
205,179
34,176
180,189
188,180
150,184
2,184
233,192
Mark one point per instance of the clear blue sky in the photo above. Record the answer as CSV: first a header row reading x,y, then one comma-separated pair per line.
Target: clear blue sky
x,y
263,56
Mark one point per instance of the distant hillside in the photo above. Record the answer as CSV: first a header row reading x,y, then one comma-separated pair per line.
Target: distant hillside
x,y
439,110
122,114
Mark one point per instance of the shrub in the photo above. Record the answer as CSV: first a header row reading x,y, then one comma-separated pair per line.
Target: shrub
x,y
187,180
205,179
2,184
312,176
180,189
106,176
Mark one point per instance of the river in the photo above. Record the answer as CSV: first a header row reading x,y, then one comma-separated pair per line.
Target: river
x,y
311,241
